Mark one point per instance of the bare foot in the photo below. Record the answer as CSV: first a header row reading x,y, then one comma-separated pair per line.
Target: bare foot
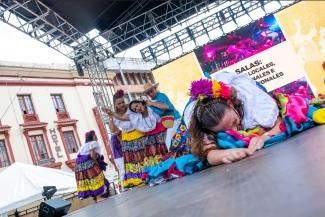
x,y
100,199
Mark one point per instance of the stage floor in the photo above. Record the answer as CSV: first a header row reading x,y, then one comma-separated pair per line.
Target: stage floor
x,y
286,180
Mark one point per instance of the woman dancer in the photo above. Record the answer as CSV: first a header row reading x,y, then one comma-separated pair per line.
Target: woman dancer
x,y
145,120
133,143
89,168
229,102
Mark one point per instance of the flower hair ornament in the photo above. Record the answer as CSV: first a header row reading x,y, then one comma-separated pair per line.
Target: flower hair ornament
x,y
92,131
120,92
209,89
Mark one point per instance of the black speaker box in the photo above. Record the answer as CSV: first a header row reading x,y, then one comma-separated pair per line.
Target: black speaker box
x,y
54,208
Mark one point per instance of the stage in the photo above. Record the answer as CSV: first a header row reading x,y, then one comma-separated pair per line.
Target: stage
x,y
287,179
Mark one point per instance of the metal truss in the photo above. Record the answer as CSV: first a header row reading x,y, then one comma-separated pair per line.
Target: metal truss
x,y
204,27
150,24
45,26
99,82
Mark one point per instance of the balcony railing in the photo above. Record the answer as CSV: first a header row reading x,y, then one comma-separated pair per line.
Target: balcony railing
x,y
63,115
31,119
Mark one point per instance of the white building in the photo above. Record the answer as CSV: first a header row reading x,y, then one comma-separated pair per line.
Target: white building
x,y
45,111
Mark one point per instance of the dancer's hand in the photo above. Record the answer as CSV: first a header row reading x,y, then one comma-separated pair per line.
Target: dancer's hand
x,y
236,155
108,111
257,143
149,103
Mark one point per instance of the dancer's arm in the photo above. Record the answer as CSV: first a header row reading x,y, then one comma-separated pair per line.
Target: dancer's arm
x,y
257,143
117,116
227,156
112,126
157,104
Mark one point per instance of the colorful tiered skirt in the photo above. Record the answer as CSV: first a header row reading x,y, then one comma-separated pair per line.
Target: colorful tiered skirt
x,y
133,153
140,150
155,148
90,178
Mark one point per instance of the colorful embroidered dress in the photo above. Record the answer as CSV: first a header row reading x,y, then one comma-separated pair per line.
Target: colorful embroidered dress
x,y
155,145
90,178
133,142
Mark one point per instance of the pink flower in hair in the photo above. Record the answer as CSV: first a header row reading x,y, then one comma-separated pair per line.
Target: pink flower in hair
x,y
201,89
120,92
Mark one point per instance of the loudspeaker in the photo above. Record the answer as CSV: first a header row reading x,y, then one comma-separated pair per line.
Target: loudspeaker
x,y
54,208
79,68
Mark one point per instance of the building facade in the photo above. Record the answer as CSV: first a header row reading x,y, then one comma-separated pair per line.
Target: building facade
x,y
136,73
45,112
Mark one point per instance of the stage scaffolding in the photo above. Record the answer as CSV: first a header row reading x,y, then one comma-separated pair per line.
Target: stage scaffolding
x,y
37,20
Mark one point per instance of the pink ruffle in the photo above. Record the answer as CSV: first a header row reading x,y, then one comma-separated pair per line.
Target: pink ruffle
x,y
159,128
297,109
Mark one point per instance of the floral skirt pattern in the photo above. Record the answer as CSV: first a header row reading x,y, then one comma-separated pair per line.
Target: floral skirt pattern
x,y
90,178
139,150
180,143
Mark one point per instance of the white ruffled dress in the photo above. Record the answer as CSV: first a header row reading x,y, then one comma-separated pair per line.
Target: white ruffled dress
x,y
259,108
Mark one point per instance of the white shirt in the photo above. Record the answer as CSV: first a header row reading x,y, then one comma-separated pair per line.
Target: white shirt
x,y
145,124
86,148
259,108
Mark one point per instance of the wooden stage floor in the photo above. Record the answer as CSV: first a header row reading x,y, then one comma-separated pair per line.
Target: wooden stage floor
x,y
286,180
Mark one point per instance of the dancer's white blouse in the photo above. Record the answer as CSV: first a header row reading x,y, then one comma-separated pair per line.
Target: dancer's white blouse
x,y
138,122
86,148
259,108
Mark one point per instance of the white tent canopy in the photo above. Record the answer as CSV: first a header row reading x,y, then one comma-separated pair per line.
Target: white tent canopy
x,y
22,184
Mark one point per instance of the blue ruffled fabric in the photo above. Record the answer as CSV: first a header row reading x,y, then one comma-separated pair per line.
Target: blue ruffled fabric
x,y
226,141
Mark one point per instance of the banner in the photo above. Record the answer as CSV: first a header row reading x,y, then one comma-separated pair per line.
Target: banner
x,y
304,26
241,44
273,68
175,79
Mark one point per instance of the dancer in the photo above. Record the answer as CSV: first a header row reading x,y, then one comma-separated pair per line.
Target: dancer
x,y
133,142
266,32
89,168
118,154
145,120
158,100
233,103
232,41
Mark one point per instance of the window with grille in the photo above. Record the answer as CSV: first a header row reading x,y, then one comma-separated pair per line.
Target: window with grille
x,y
138,96
144,78
119,79
4,159
137,75
132,79
132,96
126,99
70,141
58,103
150,79
39,148
25,104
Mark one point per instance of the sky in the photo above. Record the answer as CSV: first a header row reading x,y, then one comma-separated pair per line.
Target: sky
x,y
16,46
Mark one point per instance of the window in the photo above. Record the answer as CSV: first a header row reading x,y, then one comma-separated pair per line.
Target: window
x,y
26,105
137,75
70,141
144,78
132,96
145,97
126,99
150,79
58,103
39,147
138,96
4,159
132,79
119,79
